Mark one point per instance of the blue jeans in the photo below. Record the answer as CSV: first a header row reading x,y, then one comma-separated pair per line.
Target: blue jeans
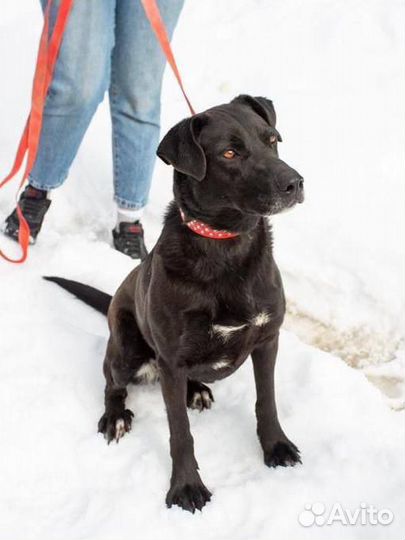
x,y
108,44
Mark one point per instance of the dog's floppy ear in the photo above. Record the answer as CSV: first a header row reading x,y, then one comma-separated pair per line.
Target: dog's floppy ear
x,y
180,148
262,106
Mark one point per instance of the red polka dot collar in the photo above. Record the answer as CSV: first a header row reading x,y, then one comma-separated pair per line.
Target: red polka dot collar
x,y
201,228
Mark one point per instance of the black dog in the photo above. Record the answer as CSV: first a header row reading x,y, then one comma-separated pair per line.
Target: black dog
x,y
209,294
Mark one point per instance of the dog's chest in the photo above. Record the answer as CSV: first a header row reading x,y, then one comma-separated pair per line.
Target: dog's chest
x,y
229,341
226,331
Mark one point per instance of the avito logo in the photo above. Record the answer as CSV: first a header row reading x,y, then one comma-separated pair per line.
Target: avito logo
x,y
366,514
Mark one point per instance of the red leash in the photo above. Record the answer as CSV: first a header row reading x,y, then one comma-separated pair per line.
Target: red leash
x,y
46,60
156,22
45,66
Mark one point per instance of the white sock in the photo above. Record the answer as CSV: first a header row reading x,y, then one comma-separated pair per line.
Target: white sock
x,y
128,215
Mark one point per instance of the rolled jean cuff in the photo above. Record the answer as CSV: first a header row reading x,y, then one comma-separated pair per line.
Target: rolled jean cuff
x,y
130,205
45,187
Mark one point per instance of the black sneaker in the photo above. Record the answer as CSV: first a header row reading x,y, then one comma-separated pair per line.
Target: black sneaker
x,y
129,240
34,205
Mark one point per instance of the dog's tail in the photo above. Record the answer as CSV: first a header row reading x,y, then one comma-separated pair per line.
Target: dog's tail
x,y
98,300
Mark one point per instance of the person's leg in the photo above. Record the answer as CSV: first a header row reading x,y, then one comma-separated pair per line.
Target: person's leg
x,y
136,79
81,78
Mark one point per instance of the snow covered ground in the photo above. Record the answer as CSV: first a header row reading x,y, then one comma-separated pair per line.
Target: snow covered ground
x,y
334,71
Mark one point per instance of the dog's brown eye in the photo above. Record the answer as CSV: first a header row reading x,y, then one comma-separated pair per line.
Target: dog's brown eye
x,y
229,154
273,139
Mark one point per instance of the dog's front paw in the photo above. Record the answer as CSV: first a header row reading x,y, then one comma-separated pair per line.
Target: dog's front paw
x,y
199,396
282,454
115,425
189,496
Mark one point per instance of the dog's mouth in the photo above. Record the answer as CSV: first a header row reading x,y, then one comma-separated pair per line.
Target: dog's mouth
x,y
281,209
277,205
282,206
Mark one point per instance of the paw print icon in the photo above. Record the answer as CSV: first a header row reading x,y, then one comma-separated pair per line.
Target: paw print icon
x,y
312,515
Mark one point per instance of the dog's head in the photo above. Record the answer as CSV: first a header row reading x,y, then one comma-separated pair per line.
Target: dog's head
x,y
229,156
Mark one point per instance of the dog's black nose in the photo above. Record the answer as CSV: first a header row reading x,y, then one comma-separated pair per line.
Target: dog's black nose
x,y
292,185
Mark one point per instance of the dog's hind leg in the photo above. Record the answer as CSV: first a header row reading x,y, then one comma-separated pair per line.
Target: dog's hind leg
x,y
126,353
199,396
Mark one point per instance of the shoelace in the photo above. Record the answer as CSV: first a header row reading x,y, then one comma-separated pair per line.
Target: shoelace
x,y
131,238
33,208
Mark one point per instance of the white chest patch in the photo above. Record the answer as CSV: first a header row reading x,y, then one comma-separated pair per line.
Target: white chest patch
x,y
220,363
148,373
225,332
261,319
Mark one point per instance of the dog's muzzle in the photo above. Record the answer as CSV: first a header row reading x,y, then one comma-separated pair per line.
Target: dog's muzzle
x,y
293,190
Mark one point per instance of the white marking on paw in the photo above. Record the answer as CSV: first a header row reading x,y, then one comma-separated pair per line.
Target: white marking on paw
x,y
148,372
201,400
206,399
119,428
225,332
196,401
220,364
261,319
